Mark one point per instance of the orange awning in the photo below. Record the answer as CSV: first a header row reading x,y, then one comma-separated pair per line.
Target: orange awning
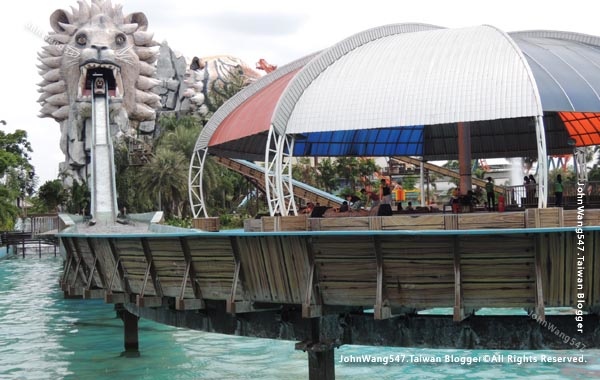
x,y
583,127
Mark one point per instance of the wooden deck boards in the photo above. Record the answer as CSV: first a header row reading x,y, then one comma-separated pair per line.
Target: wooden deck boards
x,y
466,271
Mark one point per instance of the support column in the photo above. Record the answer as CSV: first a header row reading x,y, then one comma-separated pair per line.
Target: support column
x,y
321,365
320,359
464,157
422,182
130,332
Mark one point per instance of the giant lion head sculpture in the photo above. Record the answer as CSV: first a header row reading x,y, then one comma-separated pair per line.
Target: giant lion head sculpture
x,y
96,38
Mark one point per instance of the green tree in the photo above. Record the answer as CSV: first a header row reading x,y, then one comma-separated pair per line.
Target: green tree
x,y
222,90
164,178
79,199
354,169
50,195
304,171
327,175
8,209
366,168
15,172
14,151
409,182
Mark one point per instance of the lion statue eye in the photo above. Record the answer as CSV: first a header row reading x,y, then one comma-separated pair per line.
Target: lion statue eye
x,y
120,39
81,39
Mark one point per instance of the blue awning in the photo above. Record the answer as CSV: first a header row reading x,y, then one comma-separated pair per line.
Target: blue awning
x,y
407,141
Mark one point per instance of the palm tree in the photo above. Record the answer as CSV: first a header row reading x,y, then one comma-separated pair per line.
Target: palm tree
x,y
182,139
165,177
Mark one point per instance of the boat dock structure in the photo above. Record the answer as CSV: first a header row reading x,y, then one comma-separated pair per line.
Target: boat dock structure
x,y
369,280
525,278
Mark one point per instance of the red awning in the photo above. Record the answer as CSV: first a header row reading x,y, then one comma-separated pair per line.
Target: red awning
x,y
254,115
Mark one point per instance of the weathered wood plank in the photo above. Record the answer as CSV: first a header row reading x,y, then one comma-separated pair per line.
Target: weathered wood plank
x,y
514,294
544,217
481,220
421,295
337,224
539,288
351,293
419,271
413,222
342,269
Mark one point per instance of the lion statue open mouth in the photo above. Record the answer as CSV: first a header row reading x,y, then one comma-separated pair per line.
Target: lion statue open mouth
x,y
92,41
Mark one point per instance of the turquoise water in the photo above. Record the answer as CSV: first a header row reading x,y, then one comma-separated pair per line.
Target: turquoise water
x,y
43,336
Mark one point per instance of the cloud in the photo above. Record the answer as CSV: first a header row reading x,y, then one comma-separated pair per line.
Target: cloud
x,y
253,23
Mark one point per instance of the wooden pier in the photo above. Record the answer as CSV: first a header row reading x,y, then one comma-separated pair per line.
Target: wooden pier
x,y
356,281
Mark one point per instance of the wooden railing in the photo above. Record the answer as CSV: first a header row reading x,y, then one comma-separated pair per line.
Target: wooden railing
x,y
529,218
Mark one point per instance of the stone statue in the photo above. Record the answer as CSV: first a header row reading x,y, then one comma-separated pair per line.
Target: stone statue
x,y
96,38
211,74
144,78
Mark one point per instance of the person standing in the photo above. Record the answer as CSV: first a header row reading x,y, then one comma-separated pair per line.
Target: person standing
x,y
558,191
527,190
491,197
385,192
533,185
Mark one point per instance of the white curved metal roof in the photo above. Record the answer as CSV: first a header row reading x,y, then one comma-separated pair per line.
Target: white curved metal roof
x,y
400,90
411,75
566,66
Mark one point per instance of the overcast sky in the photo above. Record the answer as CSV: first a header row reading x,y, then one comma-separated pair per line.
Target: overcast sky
x,y
279,31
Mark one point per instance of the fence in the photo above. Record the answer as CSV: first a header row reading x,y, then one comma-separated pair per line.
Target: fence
x,y
526,196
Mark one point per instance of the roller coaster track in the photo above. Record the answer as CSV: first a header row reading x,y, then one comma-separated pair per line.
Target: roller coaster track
x,y
256,174
445,171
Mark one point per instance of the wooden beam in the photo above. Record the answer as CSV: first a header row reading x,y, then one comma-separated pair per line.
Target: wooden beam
x,y
234,306
96,267
119,267
459,312
111,280
382,308
310,309
141,299
539,288
88,283
151,267
93,293
144,301
109,296
64,282
189,304
190,273
116,297
71,288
